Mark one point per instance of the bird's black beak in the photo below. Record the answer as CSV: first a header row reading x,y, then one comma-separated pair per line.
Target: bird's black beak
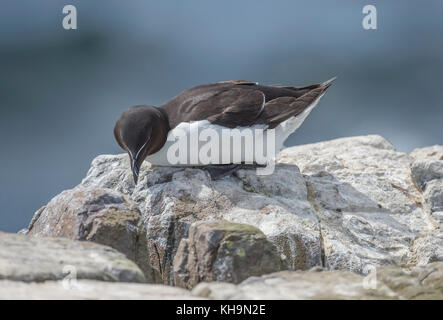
x,y
135,170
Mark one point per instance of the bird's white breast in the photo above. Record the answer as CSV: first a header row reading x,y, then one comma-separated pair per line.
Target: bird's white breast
x,y
264,144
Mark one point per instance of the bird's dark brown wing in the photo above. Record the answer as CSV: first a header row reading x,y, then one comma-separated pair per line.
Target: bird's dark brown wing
x,y
241,103
238,107
240,82
226,104
280,109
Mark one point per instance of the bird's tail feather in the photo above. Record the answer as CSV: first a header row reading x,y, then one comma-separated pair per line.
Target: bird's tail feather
x,y
277,111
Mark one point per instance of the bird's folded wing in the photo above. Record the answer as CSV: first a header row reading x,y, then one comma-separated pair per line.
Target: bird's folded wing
x,y
278,110
241,82
235,107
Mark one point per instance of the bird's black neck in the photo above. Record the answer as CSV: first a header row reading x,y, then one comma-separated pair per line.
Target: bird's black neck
x,y
164,117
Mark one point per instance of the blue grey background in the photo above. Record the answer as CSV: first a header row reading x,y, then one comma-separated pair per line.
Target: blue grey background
x,y
62,91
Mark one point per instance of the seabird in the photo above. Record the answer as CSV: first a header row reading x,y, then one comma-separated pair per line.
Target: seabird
x,y
143,131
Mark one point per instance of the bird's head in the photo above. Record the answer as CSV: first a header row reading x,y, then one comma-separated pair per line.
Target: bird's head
x,y
141,131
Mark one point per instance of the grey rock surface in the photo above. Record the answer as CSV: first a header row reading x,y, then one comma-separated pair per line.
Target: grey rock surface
x,y
223,251
90,289
100,215
427,173
383,283
35,259
431,153
370,210
345,204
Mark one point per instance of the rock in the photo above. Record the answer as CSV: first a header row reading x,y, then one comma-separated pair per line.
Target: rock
x,y
27,258
384,283
428,248
424,282
425,171
346,204
223,251
369,210
90,289
100,215
431,153
295,285
427,174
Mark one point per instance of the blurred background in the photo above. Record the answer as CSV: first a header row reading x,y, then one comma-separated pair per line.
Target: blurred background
x,y
61,91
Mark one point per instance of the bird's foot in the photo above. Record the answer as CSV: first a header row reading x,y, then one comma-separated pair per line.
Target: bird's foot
x,y
219,171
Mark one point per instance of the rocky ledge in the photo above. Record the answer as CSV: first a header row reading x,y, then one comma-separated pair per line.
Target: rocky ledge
x,y
349,205
45,268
